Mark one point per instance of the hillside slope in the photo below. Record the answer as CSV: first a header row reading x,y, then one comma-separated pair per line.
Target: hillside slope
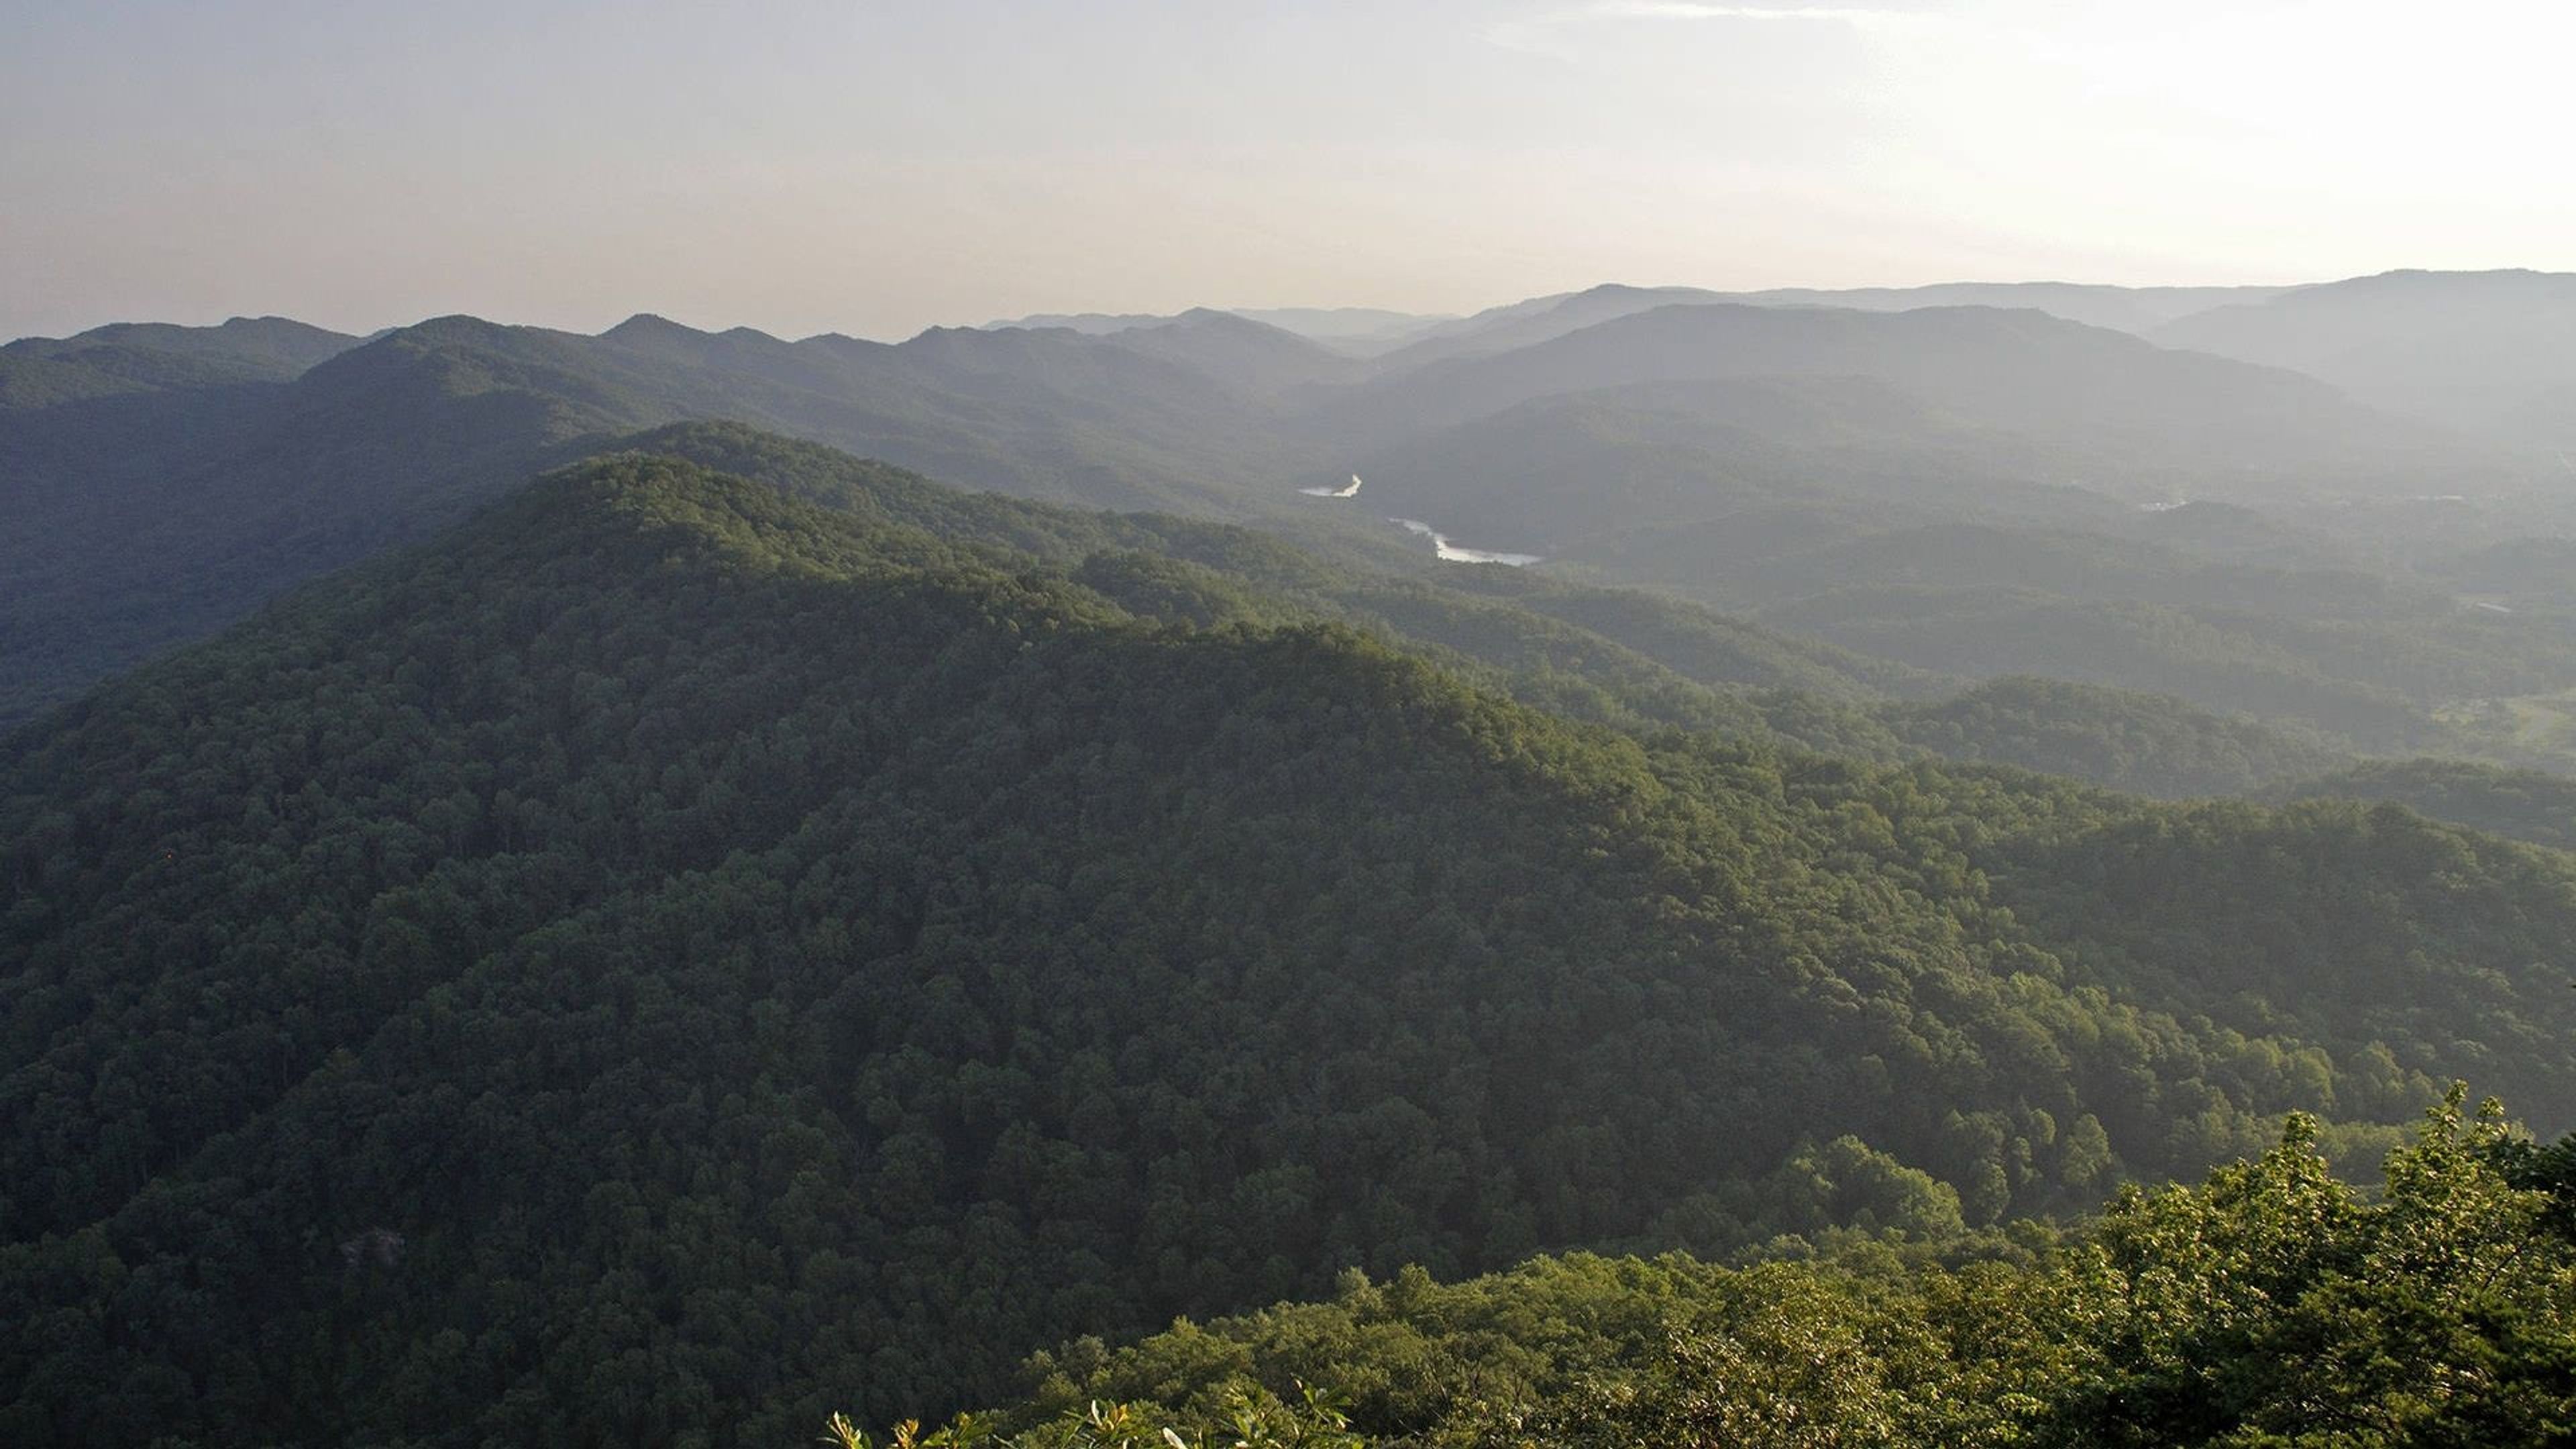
x,y
2490,352
671,955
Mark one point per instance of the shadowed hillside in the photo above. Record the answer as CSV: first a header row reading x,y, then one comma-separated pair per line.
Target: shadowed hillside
x,y
774,956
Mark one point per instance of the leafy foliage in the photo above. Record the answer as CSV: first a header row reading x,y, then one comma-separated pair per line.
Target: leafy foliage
x,y
674,959
2272,1305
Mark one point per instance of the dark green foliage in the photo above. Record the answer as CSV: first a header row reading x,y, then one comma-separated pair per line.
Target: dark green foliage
x,y
674,958
2272,1305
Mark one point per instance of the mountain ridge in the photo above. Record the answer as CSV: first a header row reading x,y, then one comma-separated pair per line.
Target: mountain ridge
x,y
854,925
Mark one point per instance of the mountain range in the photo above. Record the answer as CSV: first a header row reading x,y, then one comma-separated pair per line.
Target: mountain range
x,y
1747,457
659,886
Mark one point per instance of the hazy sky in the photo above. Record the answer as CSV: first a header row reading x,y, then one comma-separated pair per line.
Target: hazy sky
x,y
875,166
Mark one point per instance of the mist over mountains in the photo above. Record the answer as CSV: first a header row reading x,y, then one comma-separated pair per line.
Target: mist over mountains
x,y
656,885
1370,332
2484,352
171,478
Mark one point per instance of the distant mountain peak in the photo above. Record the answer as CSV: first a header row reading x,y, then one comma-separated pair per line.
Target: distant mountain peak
x,y
650,324
273,346
454,326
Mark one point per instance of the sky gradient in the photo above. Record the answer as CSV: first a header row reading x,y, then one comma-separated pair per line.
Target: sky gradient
x,y
877,166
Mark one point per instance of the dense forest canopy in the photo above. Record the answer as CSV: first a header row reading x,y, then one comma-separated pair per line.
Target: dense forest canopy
x,y
2271,1304
682,955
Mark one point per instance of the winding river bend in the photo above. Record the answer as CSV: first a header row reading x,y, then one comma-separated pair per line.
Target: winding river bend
x,y
1457,553
1440,542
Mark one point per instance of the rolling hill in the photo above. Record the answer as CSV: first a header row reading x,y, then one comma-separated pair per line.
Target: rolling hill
x,y
672,953
1976,471
131,357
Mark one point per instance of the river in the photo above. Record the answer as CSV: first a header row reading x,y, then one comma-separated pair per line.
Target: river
x,y
1457,553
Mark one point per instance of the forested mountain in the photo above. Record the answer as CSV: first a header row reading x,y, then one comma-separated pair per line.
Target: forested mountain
x,y
185,507
2490,352
674,957
1610,656
201,501
1949,866
130,357
153,516
279,346
1750,456
149,515
1602,654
